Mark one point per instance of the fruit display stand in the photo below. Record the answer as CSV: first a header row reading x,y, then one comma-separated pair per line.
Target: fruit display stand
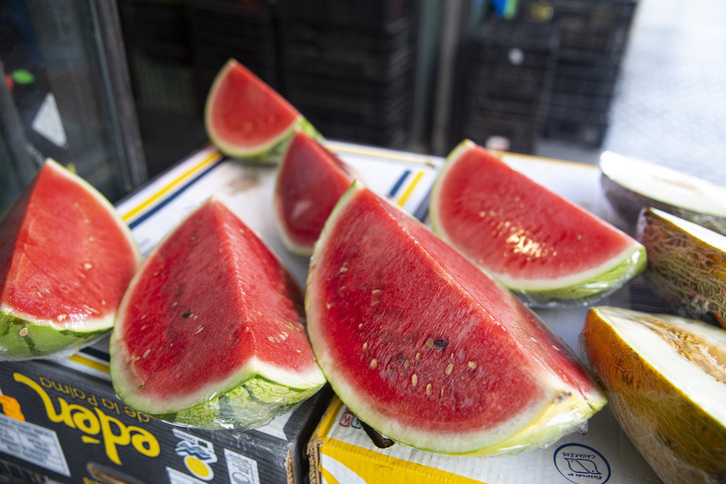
x,y
62,422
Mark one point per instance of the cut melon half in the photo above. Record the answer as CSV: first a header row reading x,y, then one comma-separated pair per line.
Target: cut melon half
x,y
686,265
631,185
426,348
546,249
210,333
309,181
66,258
246,118
665,378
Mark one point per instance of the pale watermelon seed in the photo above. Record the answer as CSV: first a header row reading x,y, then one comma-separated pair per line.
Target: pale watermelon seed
x,y
414,379
429,388
24,332
201,328
373,364
87,266
146,353
91,238
449,369
471,365
418,356
430,343
406,364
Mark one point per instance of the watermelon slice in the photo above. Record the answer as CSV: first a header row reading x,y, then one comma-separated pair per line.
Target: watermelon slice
x,y
210,332
246,118
426,348
541,246
309,182
66,258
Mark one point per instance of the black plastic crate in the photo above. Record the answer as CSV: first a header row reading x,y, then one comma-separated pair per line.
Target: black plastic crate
x,y
518,135
379,15
347,54
507,79
590,31
586,80
225,29
581,127
344,90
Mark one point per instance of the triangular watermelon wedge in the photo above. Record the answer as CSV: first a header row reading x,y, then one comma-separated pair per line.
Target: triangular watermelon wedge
x,y
309,181
66,258
246,118
546,249
426,348
210,333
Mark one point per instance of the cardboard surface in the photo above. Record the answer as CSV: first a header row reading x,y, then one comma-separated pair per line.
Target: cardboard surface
x,y
342,452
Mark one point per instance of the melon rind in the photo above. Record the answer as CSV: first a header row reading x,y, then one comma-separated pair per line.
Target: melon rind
x,y
631,184
268,152
686,265
669,406
581,288
251,397
564,410
23,336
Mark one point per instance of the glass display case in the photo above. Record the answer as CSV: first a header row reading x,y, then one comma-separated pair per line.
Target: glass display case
x,y
66,95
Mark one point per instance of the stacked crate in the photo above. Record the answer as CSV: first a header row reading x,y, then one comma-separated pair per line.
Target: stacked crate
x,y
507,78
244,30
349,67
593,35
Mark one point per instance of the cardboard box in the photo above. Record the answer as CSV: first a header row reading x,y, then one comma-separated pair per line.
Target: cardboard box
x,y
341,451
62,422
65,424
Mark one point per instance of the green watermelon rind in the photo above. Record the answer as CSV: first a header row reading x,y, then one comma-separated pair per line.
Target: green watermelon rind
x,y
573,410
46,338
585,290
271,152
254,403
23,338
576,289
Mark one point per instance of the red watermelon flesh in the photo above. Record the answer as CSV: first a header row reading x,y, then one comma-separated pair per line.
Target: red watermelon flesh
x,y
426,348
528,237
66,258
309,182
210,309
247,118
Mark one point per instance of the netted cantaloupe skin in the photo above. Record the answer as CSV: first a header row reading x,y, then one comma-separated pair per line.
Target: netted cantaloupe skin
x,y
687,273
678,439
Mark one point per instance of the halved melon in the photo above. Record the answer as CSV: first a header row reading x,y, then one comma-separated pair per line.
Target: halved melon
x,y
546,249
426,348
66,258
631,185
210,333
246,118
686,265
308,184
665,378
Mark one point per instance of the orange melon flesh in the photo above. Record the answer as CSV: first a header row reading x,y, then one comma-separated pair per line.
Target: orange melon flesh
x,y
665,378
426,348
